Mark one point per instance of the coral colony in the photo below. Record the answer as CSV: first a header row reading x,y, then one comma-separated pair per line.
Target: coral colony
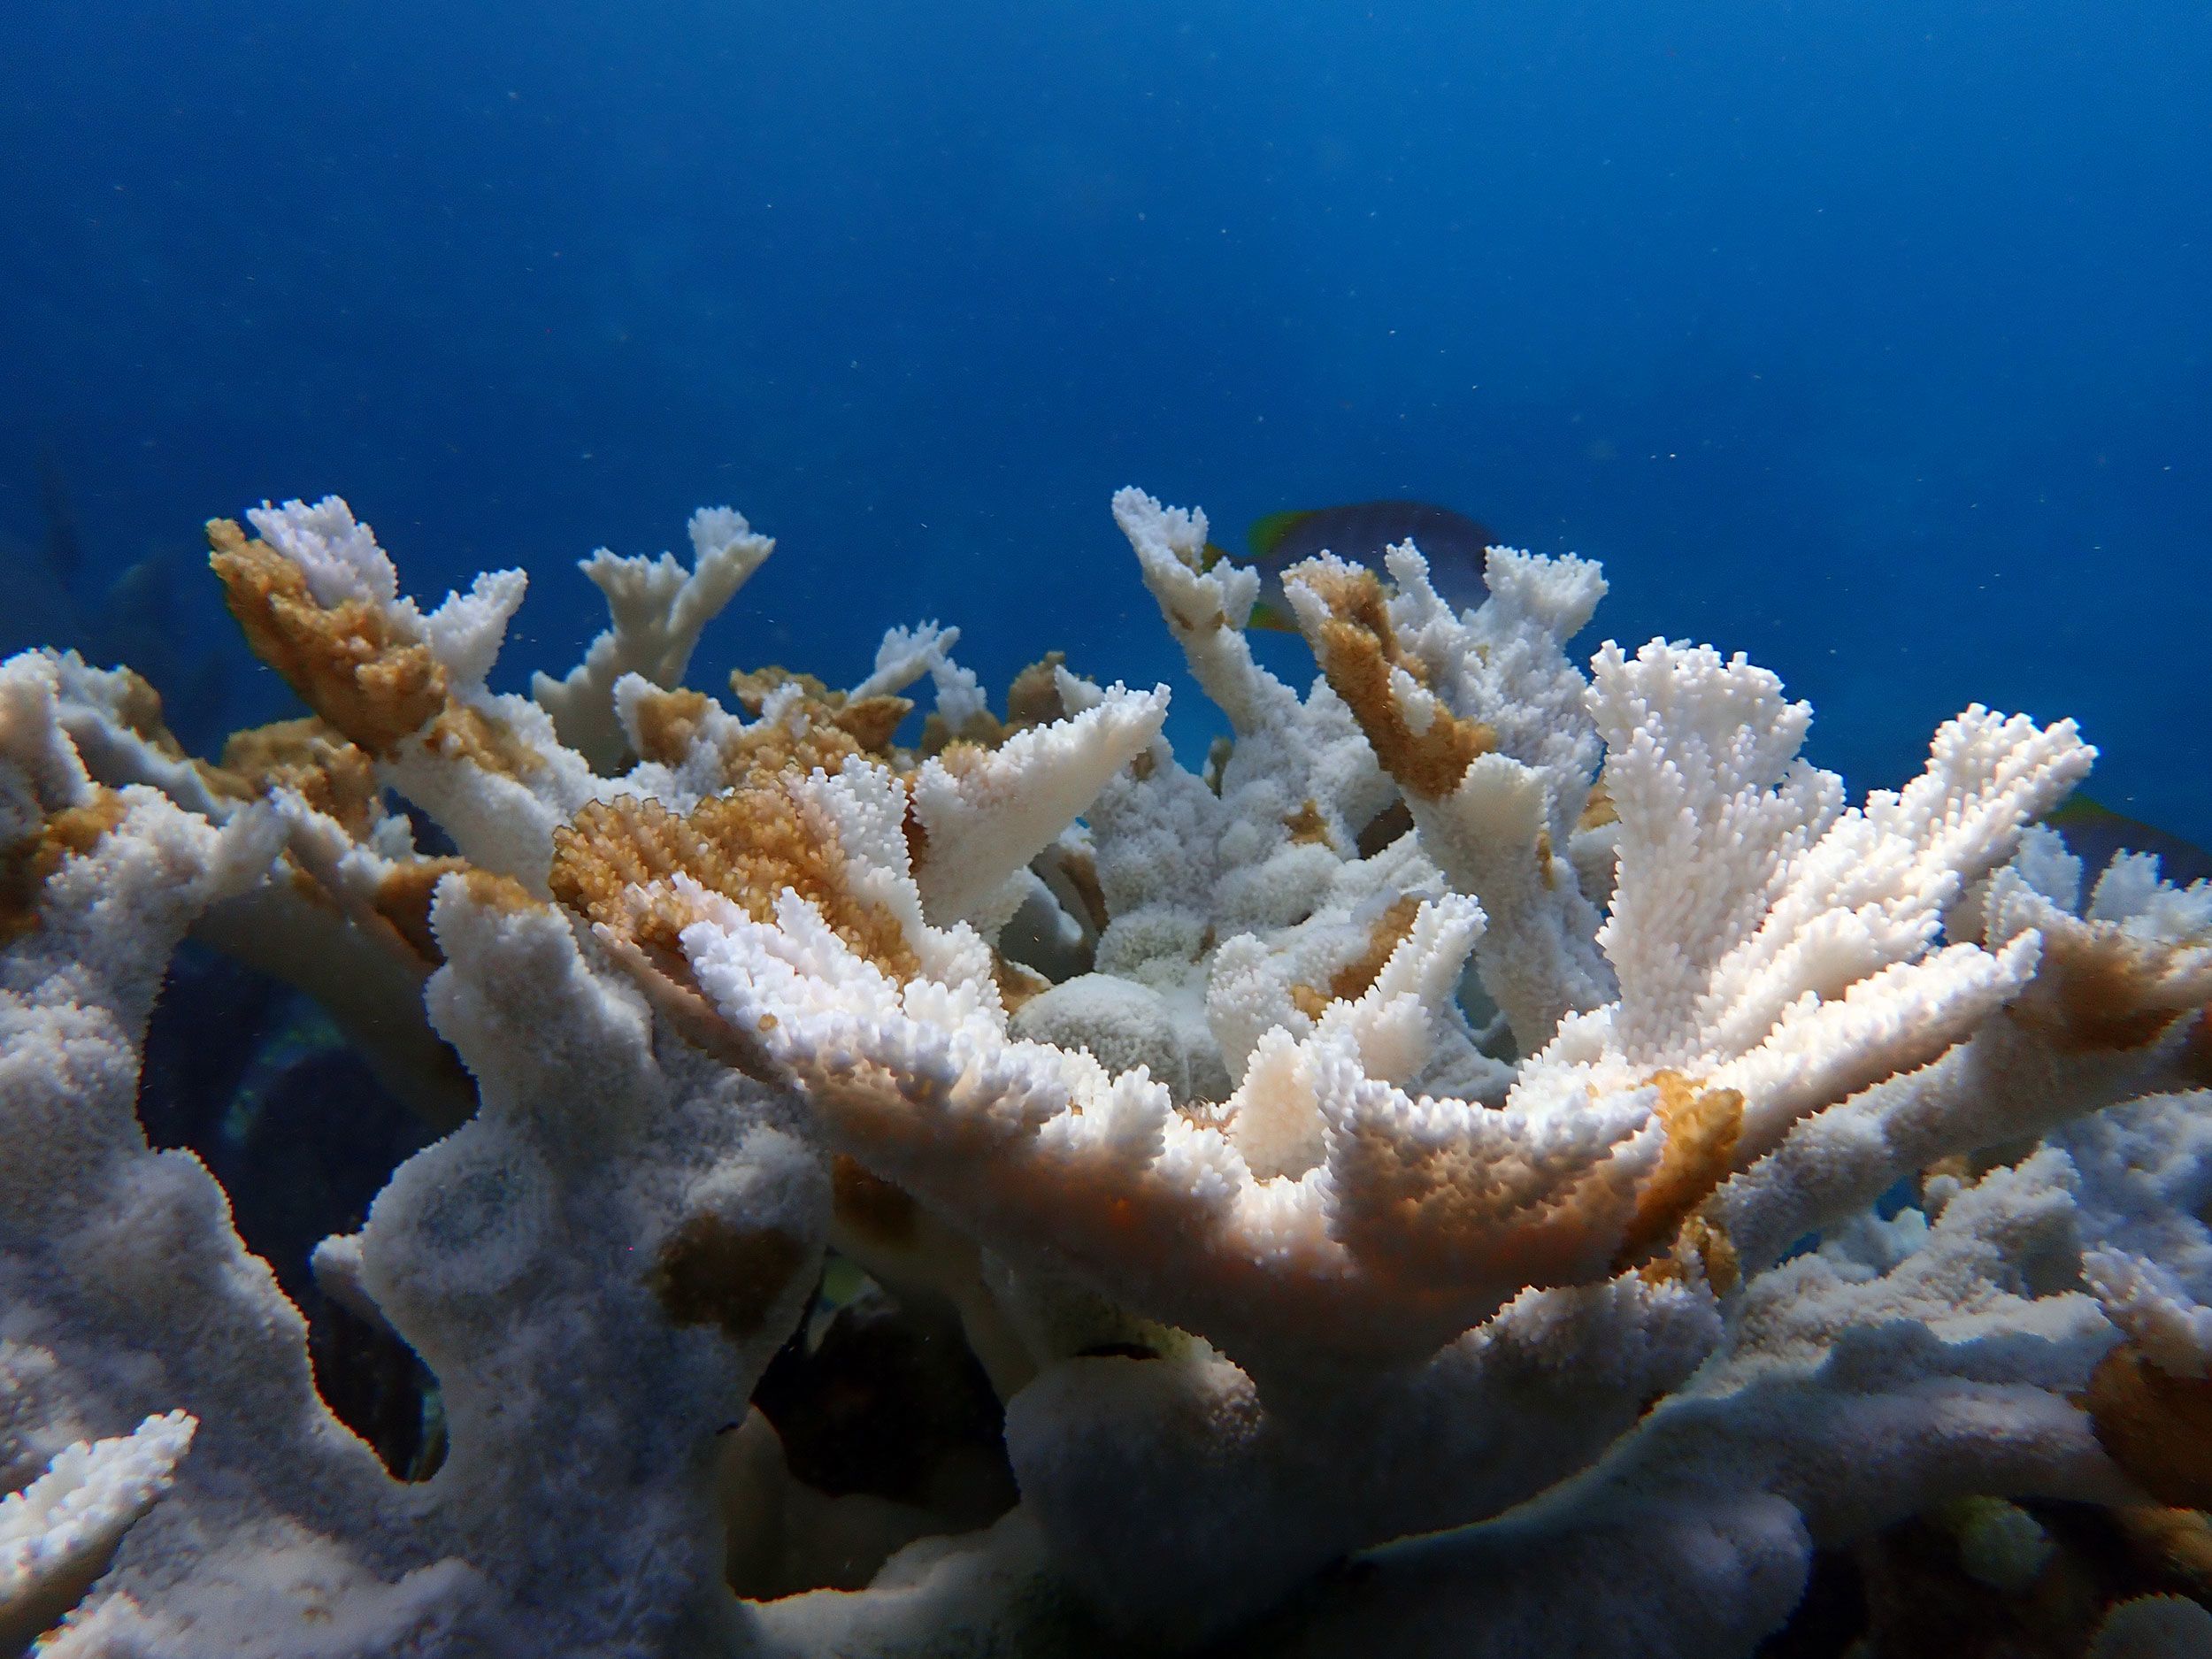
x,y
1427,1183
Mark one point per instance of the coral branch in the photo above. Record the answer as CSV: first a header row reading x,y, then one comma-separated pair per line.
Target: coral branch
x,y
1161,1110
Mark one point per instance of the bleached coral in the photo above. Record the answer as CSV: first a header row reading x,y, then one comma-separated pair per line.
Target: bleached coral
x,y
2139,952
546,1259
907,654
1434,1090
1481,721
59,1533
1842,1397
658,609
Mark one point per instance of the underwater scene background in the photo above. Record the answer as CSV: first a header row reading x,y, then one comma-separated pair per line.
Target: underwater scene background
x,y
1868,339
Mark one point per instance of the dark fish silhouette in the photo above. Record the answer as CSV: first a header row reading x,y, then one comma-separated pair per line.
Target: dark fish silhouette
x,y
1452,542
2096,834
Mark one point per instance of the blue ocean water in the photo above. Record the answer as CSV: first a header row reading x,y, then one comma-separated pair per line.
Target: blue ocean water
x,y
1868,338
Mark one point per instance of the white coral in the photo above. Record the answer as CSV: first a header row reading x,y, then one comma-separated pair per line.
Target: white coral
x,y
343,563
1504,830
987,817
1377,1220
59,1533
1254,1190
906,655
338,556
658,609
1768,937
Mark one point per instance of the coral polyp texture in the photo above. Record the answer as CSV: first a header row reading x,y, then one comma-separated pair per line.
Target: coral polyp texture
x,y
1504,1160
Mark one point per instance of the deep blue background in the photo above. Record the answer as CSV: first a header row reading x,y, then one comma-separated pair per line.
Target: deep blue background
x,y
1868,338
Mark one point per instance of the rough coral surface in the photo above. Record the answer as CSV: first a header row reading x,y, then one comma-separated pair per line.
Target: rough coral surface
x,y
1506,1160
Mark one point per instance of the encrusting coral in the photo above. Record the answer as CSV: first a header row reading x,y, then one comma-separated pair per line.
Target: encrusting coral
x,y
1459,1136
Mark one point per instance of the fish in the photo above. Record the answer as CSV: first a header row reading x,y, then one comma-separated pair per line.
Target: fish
x,y
1453,543
2096,834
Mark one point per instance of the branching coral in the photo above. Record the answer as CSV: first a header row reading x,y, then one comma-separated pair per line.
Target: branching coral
x,y
658,611
1445,1135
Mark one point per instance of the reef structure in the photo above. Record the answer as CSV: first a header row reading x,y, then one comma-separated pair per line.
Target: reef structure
x,y
1504,1160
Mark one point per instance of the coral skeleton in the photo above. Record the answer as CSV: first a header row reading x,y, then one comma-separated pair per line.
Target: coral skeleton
x,y
1503,1160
